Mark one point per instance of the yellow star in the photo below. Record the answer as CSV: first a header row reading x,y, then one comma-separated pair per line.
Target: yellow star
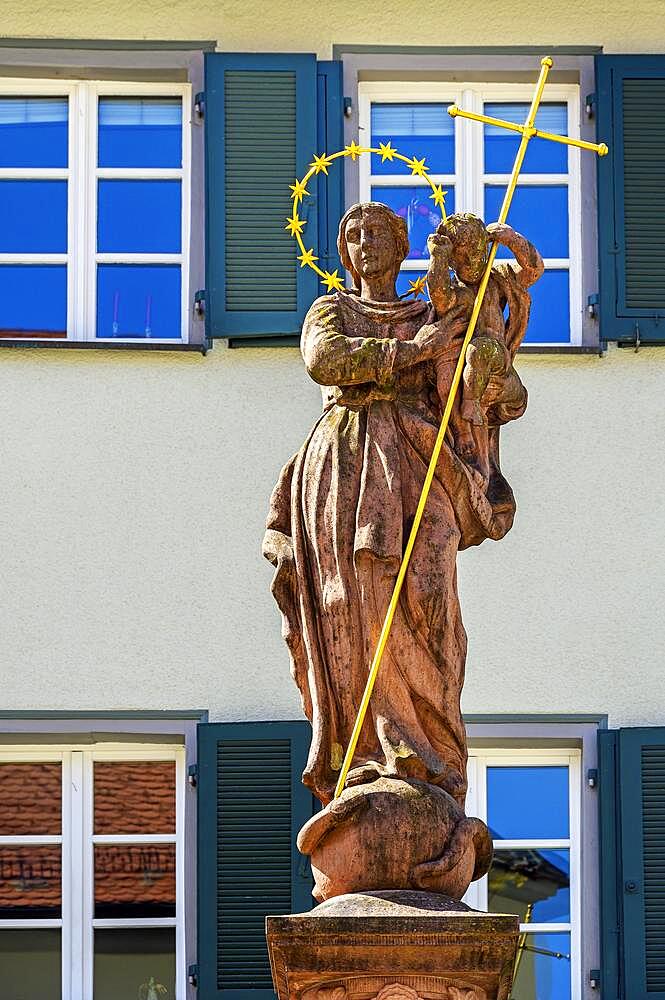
x,y
307,258
321,163
294,224
299,190
417,287
417,166
353,150
387,151
439,195
332,281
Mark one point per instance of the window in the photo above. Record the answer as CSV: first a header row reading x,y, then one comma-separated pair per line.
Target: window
x,y
95,201
91,873
473,162
530,801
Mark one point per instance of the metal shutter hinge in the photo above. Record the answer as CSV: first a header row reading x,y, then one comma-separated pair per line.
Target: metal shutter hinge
x,y
193,975
193,775
200,303
199,105
594,979
592,777
638,340
589,105
592,306
348,107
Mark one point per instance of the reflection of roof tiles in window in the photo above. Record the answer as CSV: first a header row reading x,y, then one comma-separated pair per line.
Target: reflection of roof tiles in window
x,y
30,799
134,797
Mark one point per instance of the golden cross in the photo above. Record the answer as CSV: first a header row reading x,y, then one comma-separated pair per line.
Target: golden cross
x,y
527,131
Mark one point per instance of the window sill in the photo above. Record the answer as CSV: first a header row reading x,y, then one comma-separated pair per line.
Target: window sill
x,y
561,349
92,345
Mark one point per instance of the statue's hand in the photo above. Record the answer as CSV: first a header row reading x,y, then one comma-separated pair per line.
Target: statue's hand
x,y
500,232
440,248
434,338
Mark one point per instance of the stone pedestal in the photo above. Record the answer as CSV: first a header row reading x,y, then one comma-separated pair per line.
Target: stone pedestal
x,y
392,945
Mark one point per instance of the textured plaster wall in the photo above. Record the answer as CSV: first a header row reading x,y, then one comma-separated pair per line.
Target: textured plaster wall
x,y
132,496
296,25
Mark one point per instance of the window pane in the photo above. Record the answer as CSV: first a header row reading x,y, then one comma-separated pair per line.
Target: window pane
x,y
33,131
135,880
30,799
30,880
527,803
33,300
30,962
404,279
34,216
138,300
134,796
140,132
136,964
538,211
533,883
549,322
542,155
416,206
414,130
138,217
543,971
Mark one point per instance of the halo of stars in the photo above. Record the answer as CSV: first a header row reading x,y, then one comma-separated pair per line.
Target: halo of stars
x,y
319,165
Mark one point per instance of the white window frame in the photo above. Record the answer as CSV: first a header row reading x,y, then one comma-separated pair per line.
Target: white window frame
x,y
469,177
82,175
77,922
476,805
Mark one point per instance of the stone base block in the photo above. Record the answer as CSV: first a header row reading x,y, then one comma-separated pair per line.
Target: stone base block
x,y
392,945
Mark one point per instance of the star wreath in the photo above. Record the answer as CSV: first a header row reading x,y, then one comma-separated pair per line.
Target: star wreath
x,y
295,225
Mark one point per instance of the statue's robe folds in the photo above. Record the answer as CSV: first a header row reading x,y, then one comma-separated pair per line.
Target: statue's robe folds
x,y
338,522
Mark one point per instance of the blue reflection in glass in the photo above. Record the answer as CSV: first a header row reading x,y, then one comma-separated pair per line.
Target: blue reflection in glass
x,y
34,216
34,131
531,882
138,217
539,212
549,322
415,130
527,803
543,971
138,300
140,132
416,206
542,155
33,299
403,282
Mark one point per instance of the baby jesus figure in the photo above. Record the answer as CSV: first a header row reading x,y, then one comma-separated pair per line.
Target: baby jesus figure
x,y
460,245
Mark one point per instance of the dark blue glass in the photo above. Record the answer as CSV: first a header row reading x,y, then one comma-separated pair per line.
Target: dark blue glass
x,y
34,131
549,322
414,130
404,278
140,132
543,969
138,216
538,211
542,155
416,206
33,299
527,803
34,216
139,300
533,883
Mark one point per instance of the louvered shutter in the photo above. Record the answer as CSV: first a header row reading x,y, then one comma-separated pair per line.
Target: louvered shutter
x,y
631,197
265,117
634,894
251,805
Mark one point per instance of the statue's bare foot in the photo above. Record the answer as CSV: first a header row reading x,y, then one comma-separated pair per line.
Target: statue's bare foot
x,y
364,774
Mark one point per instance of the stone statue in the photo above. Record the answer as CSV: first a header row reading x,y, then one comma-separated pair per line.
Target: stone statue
x,y
339,517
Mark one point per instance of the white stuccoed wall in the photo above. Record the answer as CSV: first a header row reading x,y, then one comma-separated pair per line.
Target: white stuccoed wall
x,y
133,491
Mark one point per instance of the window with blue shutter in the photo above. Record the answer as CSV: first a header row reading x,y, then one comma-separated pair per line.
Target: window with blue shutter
x,y
251,806
265,117
631,197
633,863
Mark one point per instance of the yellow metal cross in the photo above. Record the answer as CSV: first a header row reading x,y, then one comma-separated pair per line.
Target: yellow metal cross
x,y
528,132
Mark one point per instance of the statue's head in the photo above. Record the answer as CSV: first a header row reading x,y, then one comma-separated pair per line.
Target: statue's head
x,y
470,242
372,241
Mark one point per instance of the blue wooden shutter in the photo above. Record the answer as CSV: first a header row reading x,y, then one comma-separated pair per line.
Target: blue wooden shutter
x,y
631,197
265,116
633,832
251,804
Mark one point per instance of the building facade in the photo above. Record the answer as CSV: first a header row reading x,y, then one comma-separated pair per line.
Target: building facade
x,y
151,739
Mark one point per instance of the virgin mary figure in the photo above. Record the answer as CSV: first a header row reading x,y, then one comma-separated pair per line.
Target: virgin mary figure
x,y
340,515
